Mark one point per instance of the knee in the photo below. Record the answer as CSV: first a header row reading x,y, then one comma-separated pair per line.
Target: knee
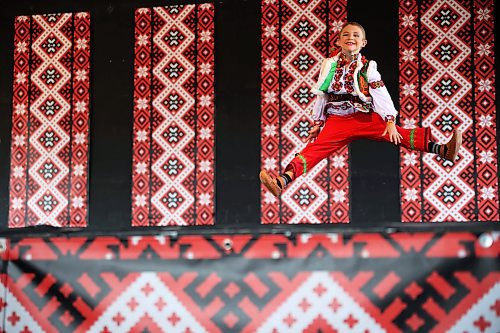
x,y
298,166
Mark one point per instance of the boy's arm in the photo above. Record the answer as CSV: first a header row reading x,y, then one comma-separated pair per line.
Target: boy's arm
x,y
321,77
381,99
317,113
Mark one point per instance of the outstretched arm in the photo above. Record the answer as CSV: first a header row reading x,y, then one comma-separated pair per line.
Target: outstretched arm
x,y
317,113
382,103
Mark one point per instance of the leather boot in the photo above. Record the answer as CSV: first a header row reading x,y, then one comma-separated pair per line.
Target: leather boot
x,y
270,183
453,146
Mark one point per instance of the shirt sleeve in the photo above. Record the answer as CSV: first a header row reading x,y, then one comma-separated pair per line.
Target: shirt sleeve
x,y
382,101
320,101
317,110
321,77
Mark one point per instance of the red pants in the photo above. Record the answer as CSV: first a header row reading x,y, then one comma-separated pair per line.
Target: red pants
x,y
341,130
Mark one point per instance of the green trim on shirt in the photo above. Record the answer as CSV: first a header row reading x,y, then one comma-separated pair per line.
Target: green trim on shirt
x,y
328,80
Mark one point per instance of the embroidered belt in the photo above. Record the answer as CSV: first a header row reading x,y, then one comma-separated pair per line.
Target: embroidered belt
x,y
344,98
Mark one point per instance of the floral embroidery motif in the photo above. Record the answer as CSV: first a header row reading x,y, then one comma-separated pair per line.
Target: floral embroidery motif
x,y
343,65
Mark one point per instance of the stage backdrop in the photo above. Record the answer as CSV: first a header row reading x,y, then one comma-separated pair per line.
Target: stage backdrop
x,y
373,283
157,134
50,121
447,80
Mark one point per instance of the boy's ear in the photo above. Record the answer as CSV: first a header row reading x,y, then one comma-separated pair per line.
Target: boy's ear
x,y
337,42
364,42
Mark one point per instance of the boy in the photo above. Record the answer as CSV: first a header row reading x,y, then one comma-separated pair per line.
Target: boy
x,y
352,103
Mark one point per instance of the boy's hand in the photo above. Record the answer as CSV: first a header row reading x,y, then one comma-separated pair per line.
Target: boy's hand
x,y
313,133
394,136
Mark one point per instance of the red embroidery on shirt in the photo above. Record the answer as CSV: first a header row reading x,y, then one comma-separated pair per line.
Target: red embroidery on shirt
x,y
349,76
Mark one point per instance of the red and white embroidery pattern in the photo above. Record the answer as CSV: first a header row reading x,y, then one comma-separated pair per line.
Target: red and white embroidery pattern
x,y
148,302
334,309
296,37
486,150
454,90
307,283
49,166
173,159
348,83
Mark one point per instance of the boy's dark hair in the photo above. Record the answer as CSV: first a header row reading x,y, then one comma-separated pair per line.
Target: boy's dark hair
x,y
356,24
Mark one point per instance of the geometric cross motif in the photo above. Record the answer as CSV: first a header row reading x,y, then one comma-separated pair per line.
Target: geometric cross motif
x,y
50,121
296,36
17,317
173,149
484,316
147,298
303,283
447,81
333,307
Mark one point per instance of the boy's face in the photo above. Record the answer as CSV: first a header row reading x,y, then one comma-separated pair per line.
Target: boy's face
x,y
351,39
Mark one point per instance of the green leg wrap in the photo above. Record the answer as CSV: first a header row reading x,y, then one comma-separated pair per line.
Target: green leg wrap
x,y
412,139
303,162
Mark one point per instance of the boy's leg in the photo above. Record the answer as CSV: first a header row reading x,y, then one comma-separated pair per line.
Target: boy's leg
x,y
419,139
335,135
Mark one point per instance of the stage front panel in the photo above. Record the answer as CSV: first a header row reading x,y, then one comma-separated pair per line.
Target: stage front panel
x,y
296,37
50,121
447,81
401,282
173,147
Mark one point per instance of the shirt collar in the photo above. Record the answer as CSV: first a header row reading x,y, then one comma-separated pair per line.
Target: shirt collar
x,y
355,57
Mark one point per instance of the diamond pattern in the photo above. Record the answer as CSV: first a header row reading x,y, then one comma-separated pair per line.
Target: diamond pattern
x,y
452,89
50,122
173,179
296,36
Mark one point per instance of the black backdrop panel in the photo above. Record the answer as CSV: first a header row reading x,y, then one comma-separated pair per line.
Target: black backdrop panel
x,y
374,166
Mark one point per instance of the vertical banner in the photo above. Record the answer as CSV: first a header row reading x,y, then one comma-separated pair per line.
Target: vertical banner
x,y
50,121
447,81
486,149
173,150
296,37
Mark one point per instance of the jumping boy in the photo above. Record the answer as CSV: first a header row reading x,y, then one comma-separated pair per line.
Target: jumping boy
x,y
353,103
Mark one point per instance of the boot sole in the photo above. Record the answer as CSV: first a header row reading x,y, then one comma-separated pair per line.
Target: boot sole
x,y
455,148
269,183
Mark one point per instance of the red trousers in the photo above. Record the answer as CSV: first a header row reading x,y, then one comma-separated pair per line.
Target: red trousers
x,y
341,130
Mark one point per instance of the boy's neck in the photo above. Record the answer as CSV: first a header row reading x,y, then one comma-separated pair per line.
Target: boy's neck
x,y
350,55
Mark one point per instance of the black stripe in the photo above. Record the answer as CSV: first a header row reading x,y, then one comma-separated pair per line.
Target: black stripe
x,y
238,113
374,166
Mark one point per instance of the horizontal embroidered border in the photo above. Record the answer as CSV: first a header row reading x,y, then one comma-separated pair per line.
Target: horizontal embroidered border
x,y
376,84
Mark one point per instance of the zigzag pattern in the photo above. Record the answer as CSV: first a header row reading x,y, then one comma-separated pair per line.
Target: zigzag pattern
x,y
329,282
50,132
446,83
173,159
